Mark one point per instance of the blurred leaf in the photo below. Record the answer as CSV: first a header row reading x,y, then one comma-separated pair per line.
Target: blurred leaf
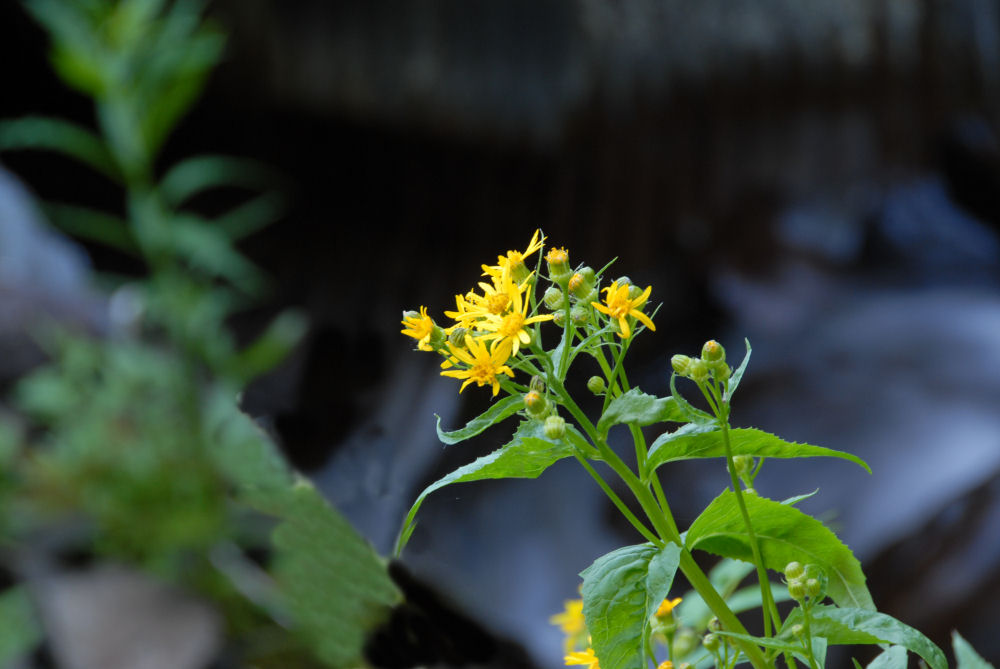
x,y
850,625
192,176
621,591
526,455
20,630
51,134
965,655
281,336
91,225
251,216
206,248
785,534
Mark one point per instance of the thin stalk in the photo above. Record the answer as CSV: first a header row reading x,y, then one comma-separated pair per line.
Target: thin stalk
x,y
808,637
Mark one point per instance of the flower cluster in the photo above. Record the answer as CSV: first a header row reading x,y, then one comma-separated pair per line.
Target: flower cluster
x,y
495,326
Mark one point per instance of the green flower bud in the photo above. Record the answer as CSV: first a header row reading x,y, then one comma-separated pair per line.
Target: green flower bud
x,y
595,384
554,298
714,624
559,318
623,281
681,364
558,262
720,370
698,370
685,641
712,351
591,297
457,337
537,384
743,465
634,291
794,570
555,427
797,590
813,587
536,404
711,642
798,630
437,338
815,581
581,283
579,314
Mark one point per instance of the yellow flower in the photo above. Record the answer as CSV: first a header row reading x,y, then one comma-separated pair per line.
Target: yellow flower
x,y
510,328
495,300
667,606
483,364
621,307
571,620
420,327
666,664
513,262
587,657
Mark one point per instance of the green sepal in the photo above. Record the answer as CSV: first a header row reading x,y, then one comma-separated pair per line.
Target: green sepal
x,y
784,534
705,441
526,456
497,412
737,376
621,591
851,625
965,656
637,408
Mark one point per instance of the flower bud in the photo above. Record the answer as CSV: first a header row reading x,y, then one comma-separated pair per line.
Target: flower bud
x,y
712,351
797,590
457,337
555,427
685,641
537,384
714,624
698,370
558,262
581,283
623,281
579,314
798,630
591,297
554,298
813,587
794,570
559,318
634,291
711,643
743,465
536,404
720,370
681,364
595,384
815,581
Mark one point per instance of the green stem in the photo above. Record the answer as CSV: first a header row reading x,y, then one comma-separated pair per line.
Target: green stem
x,y
808,637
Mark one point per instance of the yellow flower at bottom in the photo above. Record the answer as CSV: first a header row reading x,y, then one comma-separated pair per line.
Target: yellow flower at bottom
x,y
483,363
666,664
619,306
587,657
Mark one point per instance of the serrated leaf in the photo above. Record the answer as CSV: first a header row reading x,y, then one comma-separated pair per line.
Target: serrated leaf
x,y
737,376
527,455
621,590
893,657
53,134
702,441
965,656
336,587
497,412
637,408
851,625
691,413
784,534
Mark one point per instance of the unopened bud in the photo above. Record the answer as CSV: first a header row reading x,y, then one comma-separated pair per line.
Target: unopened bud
x,y
559,318
595,384
813,587
582,282
579,314
536,404
457,337
698,370
743,465
558,262
685,641
794,570
712,351
711,643
555,427
797,590
798,630
537,384
634,291
554,298
681,364
714,624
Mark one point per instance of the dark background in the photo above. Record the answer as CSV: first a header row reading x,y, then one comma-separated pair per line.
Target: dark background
x,y
823,178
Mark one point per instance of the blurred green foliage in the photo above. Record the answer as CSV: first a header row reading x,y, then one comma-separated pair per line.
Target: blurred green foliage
x,y
136,440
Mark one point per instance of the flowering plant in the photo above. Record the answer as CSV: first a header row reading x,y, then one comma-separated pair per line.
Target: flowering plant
x,y
626,618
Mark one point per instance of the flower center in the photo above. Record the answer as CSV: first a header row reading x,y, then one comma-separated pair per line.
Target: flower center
x,y
497,302
482,373
511,325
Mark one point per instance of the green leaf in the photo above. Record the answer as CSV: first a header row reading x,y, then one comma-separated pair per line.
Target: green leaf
x,y
965,656
701,441
893,657
53,134
690,412
785,534
252,215
92,225
526,456
497,412
21,631
208,249
272,346
195,175
337,589
851,625
637,408
621,590
734,380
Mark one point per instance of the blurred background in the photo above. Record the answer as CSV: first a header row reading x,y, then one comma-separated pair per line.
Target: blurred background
x,y
822,178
